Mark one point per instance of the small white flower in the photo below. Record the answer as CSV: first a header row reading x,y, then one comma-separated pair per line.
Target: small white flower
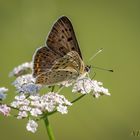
x,y
25,102
26,84
36,103
86,85
2,93
49,107
5,110
35,112
20,101
62,109
25,108
34,97
3,90
20,97
22,114
22,69
15,104
83,86
32,126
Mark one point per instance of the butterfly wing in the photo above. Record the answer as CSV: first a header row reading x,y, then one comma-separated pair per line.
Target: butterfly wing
x,y
61,60
62,39
56,76
43,60
66,68
71,60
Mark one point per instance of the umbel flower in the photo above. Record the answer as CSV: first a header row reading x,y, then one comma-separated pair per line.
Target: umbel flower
x,y
2,93
86,85
4,109
34,106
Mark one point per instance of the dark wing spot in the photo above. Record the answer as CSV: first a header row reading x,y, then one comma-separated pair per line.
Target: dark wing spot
x,y
69,39
72,48
61,48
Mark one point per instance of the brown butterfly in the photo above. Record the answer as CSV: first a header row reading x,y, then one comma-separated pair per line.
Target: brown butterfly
x,y
61,59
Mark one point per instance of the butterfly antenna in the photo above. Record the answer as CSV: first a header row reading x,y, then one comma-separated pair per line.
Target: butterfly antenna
x,y
100,50
109,70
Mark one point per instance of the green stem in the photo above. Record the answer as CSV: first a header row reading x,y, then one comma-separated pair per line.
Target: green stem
x,y
78,98
52,88
49,129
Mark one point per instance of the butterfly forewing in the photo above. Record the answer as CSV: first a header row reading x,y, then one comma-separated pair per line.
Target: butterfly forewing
x,y
43,60
62,38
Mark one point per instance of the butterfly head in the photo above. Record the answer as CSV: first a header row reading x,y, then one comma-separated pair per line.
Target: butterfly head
x,y
87,68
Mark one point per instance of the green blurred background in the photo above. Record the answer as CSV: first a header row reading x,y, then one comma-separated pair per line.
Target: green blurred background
x,y
110,24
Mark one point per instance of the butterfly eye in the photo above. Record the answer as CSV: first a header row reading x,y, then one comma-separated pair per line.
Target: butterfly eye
x,y
87,68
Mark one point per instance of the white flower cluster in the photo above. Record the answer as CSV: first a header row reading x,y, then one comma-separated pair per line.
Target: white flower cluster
x,y
22,69
32,126
36,106
26,84
5,110
86,85
33,106
2,93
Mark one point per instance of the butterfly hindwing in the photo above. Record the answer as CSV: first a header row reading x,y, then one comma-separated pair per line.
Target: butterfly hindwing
x,y
72,60
62,38
56,76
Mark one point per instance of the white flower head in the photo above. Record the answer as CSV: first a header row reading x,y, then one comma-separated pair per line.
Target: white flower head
x,y
32,126
20,102
26,84
5,110
35,112
62,109
22,114
2,93
51,101
22,69
86,85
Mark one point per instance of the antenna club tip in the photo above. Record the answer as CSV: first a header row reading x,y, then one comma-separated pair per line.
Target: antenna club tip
x,y
111,70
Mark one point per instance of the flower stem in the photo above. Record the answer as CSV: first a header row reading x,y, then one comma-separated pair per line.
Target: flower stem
x,y
52,88
49,129
78,98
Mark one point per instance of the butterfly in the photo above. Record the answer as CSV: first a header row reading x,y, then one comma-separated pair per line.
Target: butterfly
x,y
60,60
